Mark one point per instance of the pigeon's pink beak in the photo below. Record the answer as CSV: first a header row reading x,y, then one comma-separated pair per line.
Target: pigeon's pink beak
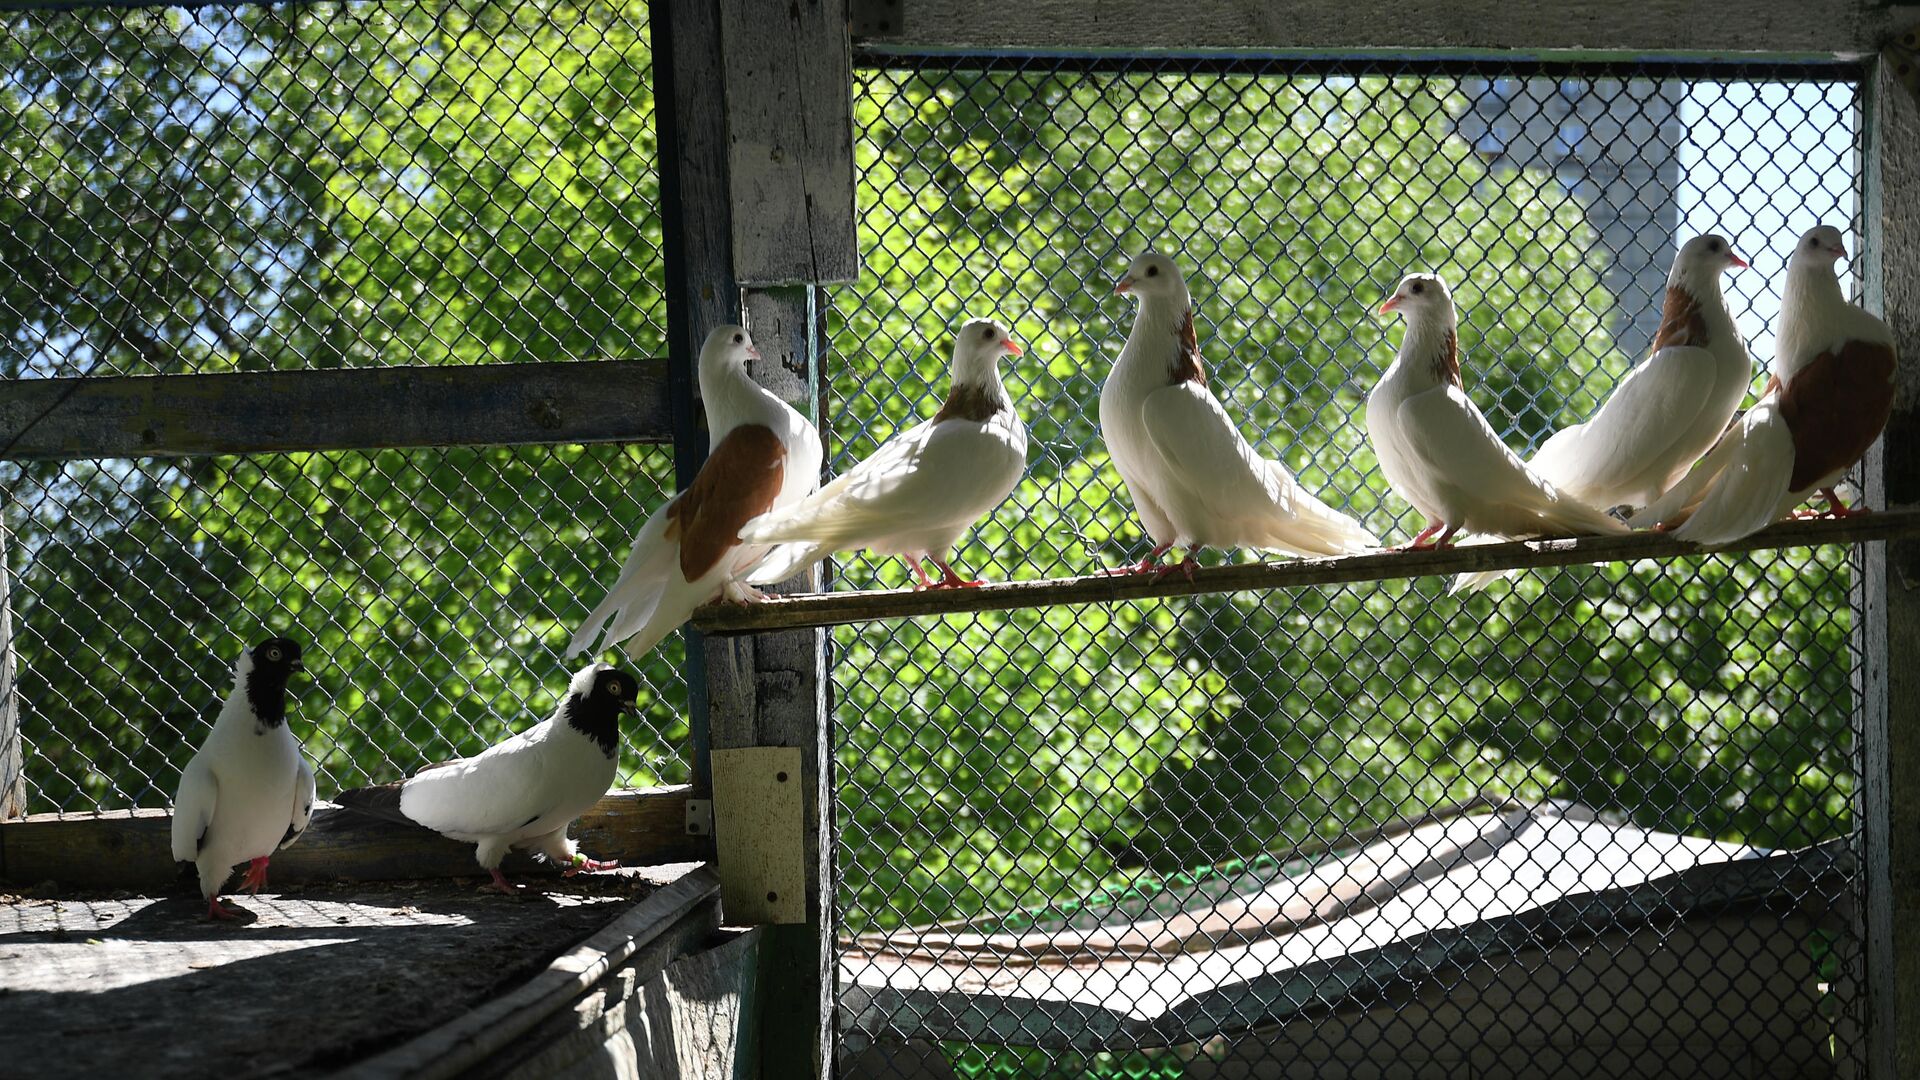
x,y
753,351
1013,347
1124,285
1735,260
1390,304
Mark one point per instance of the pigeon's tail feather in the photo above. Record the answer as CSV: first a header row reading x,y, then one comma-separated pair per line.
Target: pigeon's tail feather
x,y
1304,525
1568,516
1676,501
1750,493
784,561
1466,583
638,630
379,801
643,579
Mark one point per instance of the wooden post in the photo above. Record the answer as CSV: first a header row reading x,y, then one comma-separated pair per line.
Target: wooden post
x,y
13,758
1889,600
757,191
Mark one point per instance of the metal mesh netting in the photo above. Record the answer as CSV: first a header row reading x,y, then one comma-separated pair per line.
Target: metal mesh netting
x,y
1346,830
212,188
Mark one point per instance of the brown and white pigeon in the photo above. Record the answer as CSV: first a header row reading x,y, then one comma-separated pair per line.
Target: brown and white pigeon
x,y
764,456
525,790
1668,411
1195,481
1829,396
1439,452
249,791
924,487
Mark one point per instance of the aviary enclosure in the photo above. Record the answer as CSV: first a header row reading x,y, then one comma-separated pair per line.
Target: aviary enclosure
x,y
1627,813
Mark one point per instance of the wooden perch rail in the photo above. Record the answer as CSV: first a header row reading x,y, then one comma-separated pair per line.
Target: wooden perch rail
x,y
839,608
347,409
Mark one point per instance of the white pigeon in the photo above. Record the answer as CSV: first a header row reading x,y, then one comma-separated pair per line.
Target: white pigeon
x,y
525,791
1438,451
1829,396
249,791
924,487
1668,411
764,456
1194,480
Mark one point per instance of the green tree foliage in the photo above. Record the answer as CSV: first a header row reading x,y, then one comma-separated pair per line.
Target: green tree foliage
x,y
326,185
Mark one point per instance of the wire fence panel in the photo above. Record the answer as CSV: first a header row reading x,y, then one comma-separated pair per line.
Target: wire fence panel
x,y
1361,829
215,188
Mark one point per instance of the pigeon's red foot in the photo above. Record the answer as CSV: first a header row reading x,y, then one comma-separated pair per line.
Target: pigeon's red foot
x,y
582,863
951,580
502,885
218,912
255,879
1438,543
1837,507
1185,568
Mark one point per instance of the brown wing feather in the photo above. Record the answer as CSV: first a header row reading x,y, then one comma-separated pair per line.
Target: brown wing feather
x,y
737,484
1186,360
1835,407
1681,322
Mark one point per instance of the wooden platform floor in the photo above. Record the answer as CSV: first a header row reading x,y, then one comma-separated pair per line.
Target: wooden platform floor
x,y
112,984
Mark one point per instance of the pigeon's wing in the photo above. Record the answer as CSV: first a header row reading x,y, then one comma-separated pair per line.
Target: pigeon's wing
x,y
1454,440
1636,428
495,792
1205,454
193,808
304,792
930,475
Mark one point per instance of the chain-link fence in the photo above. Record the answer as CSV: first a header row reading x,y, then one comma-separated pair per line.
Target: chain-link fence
x,y
277,186
1366,828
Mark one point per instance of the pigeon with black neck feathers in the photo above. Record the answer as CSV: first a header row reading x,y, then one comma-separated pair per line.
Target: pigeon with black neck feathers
x,y
924,487
763,456
1826,400
249,791
1438,451
1195,481
1668,411
525,791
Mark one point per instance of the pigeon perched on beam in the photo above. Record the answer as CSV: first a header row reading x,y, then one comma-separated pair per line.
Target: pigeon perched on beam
x,y
525,791
1828,398
924,487
1668,411
1195,481
1438,451
764,456
249,791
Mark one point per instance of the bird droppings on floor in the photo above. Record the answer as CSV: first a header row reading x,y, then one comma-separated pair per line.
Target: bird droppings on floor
x,y
311,979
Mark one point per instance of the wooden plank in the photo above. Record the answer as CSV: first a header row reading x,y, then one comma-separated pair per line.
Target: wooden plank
x,y
895,1013
1888,596
13,759
663,927
836,609
758,832
356,408
787,70
132,849
688,1022
1843,29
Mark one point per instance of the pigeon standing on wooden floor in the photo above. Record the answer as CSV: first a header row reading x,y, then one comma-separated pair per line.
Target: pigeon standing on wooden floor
x,y
1668,411
924,487
525,791
1826,401
249,791
764,456
1194,480
1438,451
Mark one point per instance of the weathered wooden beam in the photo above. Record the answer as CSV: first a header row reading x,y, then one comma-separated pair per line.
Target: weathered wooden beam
x,y
346,409
132,849
1887,596
1833,29
13,758
657,931
836,609
788,74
